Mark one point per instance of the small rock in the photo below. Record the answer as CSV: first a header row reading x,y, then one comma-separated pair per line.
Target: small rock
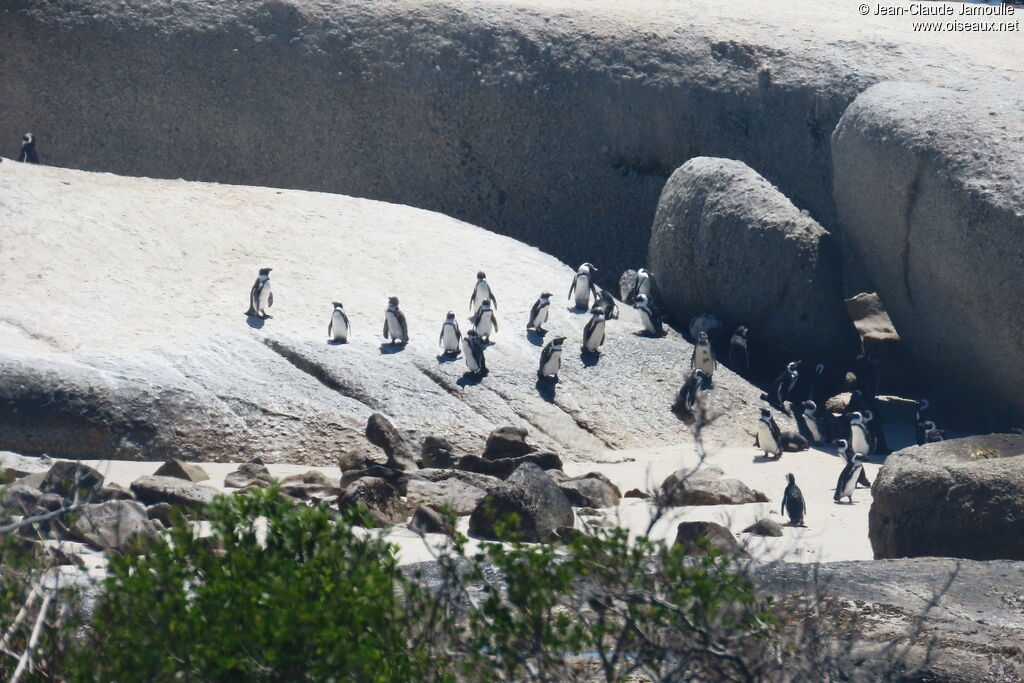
x,y
309,477
427,520
20,498
457,495
503,468
397,478
67,477
248,474
437,453
688,533
113,526
766,526
592,490
351,460
506,442
380,499
182,470
50,502
178,492
160,512
112,491
636,493
383,434
683,488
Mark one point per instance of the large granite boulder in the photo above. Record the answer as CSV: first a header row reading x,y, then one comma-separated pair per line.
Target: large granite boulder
x,y
692,535
726,241
381,432
72,480
177,492
592,490
706,487
114,525
929,193
528,507
460,496
958,498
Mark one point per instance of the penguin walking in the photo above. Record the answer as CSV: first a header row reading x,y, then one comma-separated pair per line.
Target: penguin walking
x,y
395,327
769,436
473,350
739,355
644,285
28,151
812,426
688,399
593,333
551,359
338,329
583,285
649,315
604,300
485,322
482,292
861,440
450,338
844,449
793,502
261,297
781,389
539,313
849,477
703,357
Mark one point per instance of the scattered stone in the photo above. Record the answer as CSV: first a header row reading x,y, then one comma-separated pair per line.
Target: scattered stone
x,y
67,478
382,433
593,490
113,526
427,520
720,538
50,502
21,498
504,467
704,488
506,442
310,477
180,469
112,491
379,498
436,453
351,460
248,474
459,496
529,503
766,526
397,478
636,493
162,513
177,492
14,466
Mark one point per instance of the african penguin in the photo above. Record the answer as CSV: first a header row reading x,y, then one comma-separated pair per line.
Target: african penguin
x,y
395,327
338,328
739,355
781,389
644,285
848,478
688,398
450,337
260,296
593,333
649,315
793,442
931,434
606,302
920,419
583,285
485,322
793,502
473,350
857,402
769,437
844,450
481,291
28,151
539,312
703,356
551,359
812,426
861,440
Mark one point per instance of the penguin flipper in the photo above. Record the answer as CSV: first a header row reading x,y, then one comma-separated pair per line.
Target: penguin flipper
x,y
270,299
572,287
494,321
385,327
403,326
330,326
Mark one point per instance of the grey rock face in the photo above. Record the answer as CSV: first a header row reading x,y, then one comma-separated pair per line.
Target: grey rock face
x,y
436,452
427,520
380,432
504,467
685,488
957,498
20,499
726,241
70,478
458,495
593,490
114,525
927,184
529,502
380,499
506,442
248,474
688,535
177,492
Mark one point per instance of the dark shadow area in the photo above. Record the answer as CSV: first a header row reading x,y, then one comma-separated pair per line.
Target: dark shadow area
x,y
470,379
387,348
255,322
546,388
589,358
447,357
536,337
335,342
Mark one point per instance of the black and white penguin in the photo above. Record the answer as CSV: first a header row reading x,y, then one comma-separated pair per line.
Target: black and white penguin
x,y
583,285
338,329
846,452
260,296
920,419
861,439
473,350
857,403
813,427
703,357
931,433
450,338
769,437
781,389
482,291
793,502
649,315
395,327
688,398
644,285
606,302
485,322
849,477
28,151
739,354
593,333
794,442
539,312
551,359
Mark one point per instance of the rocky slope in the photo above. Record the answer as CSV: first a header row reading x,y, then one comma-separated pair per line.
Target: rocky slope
x,y
123,334
554,121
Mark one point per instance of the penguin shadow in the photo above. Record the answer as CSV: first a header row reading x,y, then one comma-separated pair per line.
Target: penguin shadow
x,y
578,310
255,321
336,342
536,337
470,379
589,358
447,358
546,388
763,459
387,348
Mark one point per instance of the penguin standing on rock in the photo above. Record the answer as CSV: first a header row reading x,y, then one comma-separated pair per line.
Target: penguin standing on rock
x,y
848,478
583,285
649,315
769,436
473,350
812,426
539,313
688,397
482,292
703,357
337,330
450,338
793,502
485,322
593,333
781,389
739,355
261,297
28,151
551,359
395,327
